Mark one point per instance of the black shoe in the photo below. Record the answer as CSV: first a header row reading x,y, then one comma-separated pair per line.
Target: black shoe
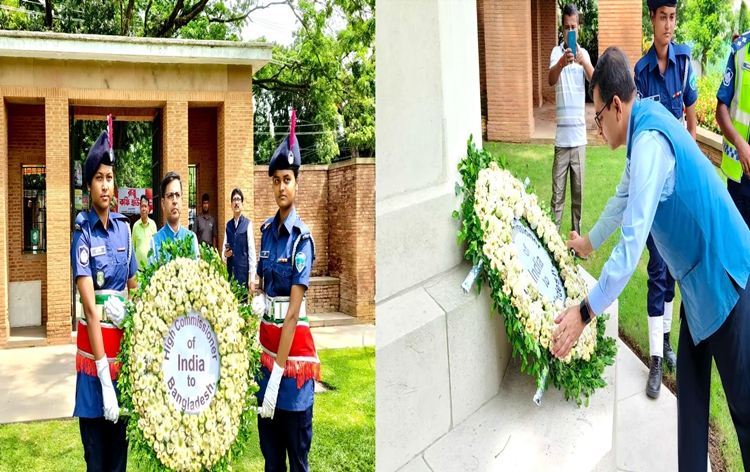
x,y
669,356
653,386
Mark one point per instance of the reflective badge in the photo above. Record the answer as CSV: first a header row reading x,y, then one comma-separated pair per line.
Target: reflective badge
x,y
291,158
83,256
692,81
299,261
100,278
728,75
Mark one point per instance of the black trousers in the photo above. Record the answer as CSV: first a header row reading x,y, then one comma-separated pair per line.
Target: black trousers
x,y
105,446
660,281
288,433
729,346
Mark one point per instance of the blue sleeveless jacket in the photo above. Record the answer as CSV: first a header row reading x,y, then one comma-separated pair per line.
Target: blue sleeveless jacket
x,y
237,239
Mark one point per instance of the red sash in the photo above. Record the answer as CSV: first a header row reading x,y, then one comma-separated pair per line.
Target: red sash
x,y
85,361
302,362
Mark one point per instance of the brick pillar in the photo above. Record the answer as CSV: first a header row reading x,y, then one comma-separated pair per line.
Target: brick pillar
x,y
175,151
235,157
549,39
620,25
4,319
482,66
57,162
536,53
507,42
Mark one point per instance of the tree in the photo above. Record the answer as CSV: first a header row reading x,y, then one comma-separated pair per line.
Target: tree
x,y
743,19
707,27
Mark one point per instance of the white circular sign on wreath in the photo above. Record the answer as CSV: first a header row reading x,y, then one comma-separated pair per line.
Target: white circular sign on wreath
x,y
191,363
536,261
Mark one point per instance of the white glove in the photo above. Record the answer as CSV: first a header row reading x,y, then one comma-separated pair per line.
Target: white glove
x,y
111,408
115,310
259,304
272,392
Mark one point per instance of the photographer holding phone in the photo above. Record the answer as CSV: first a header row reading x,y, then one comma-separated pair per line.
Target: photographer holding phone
x,y
238,251
568,64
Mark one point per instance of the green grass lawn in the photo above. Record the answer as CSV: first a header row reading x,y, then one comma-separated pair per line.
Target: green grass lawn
x,y
343,427
603,171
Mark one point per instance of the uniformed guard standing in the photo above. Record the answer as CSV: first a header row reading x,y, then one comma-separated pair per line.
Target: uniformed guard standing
x,y
290,361
104,264
664,75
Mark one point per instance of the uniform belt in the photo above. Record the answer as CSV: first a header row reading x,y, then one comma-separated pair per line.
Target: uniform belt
x,y
100,297
277,308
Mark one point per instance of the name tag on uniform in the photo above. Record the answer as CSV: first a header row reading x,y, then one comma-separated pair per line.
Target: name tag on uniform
x,y
98,251
264,254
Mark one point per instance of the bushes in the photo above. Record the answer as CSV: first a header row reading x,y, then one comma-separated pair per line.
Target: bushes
x,y
705,107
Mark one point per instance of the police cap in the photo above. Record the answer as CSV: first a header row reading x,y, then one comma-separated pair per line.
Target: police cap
x,y
654,5
98,154
284,157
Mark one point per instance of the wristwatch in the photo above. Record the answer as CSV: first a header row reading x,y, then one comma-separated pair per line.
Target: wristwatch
x,y
585,313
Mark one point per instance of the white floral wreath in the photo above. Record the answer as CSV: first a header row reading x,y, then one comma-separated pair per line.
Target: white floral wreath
x,y
183,441
501,199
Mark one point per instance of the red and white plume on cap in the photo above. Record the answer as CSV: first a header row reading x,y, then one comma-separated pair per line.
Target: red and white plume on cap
x,y
291,132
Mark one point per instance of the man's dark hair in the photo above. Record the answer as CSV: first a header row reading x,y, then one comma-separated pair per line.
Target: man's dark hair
x,y
144,197
237,191
205,197
570,10
613,77
170,176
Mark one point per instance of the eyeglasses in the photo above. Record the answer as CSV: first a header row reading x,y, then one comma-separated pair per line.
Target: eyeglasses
x,y
237,200
173,196
597,119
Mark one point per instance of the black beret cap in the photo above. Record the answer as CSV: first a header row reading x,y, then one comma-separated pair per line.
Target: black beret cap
x,y
284,158
98,154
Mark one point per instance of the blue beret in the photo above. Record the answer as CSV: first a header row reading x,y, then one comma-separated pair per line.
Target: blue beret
x,y
98,154
655,4
284,158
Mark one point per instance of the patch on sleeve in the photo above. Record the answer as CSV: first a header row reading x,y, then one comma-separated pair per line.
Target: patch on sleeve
x,y
83,256
692,81
728,76
299,261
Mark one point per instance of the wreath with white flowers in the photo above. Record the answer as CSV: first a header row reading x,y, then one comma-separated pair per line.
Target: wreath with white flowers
x,y
189,354
501,216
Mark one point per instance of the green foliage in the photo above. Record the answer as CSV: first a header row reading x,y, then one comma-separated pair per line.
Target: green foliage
x,y
588,26
707,27
705,107
578,379
743,19
140,449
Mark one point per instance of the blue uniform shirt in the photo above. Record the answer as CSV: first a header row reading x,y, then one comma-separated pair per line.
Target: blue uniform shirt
x,y
725,96
166,233
667,88
277,268
101,254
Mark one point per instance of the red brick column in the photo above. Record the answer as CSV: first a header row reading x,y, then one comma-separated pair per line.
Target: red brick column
x,y
351,237
549,39
235,157
620,25
58,219
175,151
482,66
507,42
4,318
537,54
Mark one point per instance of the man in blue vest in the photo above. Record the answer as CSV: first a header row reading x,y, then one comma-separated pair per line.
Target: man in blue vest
x,y
671,189
239,244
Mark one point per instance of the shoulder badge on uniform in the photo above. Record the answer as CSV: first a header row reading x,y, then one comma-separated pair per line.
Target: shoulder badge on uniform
x,y
692,81
299,261
728,76
83,255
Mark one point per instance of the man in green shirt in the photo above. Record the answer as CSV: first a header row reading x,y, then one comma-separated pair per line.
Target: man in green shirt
x,y
143,230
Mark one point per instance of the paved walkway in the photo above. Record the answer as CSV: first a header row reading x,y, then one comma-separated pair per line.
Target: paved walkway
x,y
39,383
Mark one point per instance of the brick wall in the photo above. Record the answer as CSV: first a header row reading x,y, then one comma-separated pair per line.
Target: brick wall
x,y
26,146
175,151
323,299
507,42
235,155
351,237
202,152
312,207
620,25
548,40
58,219
4,321
482,65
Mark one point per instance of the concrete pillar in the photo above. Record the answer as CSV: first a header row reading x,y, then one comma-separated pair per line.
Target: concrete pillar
x,y
235,157
620,25
507,42
57,170
175,151
427,330
4,318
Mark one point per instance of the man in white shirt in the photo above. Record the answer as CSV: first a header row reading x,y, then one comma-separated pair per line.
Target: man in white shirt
x,y
566,73
238,251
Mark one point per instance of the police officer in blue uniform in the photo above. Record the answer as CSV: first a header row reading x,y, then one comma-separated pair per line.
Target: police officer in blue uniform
x,y
289,359
664,75
104,265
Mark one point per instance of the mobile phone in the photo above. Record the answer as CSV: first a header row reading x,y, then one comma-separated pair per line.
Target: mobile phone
x,y
227,246
572,41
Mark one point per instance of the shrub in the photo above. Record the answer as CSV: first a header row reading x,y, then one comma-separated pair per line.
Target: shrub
x,y
705,107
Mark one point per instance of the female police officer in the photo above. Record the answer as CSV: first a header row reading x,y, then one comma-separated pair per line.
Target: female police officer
x,y
290,362
104,264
